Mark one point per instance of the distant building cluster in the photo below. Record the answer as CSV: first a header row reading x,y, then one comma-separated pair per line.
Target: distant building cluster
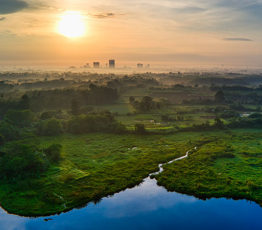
x,y
112,64
141,65
96,65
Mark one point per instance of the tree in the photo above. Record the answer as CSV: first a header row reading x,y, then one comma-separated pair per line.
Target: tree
x,y
2,139
50,127
53,153
165,118
20,118
8,131
24,102
21,160
140,129
255,116
92,86
96,122
146,103
131,100
220,97
229,114
75,109
47,115
219,123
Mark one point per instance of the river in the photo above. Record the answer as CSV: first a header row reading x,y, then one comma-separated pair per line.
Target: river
x,y
147,206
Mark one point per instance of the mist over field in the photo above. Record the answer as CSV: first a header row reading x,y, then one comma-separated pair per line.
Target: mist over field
x,y
130,114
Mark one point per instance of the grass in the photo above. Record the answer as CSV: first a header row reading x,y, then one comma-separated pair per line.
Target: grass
x,y
228,166
126,114
94,166
121,108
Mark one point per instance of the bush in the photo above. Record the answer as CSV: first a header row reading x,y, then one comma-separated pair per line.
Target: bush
x,y
47,115
140,129
2,139
229,114
20,160
8,131
255,116
245,123
102,122
53,153
147,104
220,97
252,185
166,118
50,127
20,118
219,124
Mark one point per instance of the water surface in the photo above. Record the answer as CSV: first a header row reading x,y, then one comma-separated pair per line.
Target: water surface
x,y
148,206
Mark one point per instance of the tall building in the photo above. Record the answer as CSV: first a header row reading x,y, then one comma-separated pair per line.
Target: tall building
x,y
112,64
86,65
96,64
140,65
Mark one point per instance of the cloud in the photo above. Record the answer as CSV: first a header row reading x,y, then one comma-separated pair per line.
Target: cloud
x,y
104,15
12,6
238,39
201,15
2,18
189,10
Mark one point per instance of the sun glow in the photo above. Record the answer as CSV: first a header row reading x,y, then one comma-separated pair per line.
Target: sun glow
x,y
72,24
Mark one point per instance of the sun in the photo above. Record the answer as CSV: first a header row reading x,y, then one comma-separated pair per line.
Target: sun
x,y
72,24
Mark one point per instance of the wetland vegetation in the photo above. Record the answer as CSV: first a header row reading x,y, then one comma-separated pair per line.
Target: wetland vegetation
x,y
67,139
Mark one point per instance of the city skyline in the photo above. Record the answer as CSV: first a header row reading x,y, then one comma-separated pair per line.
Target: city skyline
x,y
172,32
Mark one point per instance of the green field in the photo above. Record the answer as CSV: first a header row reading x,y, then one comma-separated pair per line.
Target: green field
x,y
228,166
94,166
158,120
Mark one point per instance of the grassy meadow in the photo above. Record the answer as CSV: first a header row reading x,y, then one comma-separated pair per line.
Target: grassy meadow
x,y
227,166
93,166
114,131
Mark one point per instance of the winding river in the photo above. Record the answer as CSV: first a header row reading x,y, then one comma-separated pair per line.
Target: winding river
x,y
160,166
147,206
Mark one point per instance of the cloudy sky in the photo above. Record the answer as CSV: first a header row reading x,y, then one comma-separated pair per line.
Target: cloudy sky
x,y
167,31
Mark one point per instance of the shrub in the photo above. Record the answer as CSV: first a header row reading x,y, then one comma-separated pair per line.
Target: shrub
x,y
2,139
20,118
20,160
50,127
255,116
8,131
252,185
220,97
140,129
53,153
47,115
229,114
102,122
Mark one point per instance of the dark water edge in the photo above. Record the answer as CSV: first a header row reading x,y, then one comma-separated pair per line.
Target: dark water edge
x,y
147,206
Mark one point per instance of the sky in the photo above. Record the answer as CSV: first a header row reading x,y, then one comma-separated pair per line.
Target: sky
x,y
188,32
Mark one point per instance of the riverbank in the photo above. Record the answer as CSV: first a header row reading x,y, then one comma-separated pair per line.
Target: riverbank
x,y
93,166
227,167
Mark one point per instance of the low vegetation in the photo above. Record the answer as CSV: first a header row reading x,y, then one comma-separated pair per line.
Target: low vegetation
x,y
227,166
67,139
89,168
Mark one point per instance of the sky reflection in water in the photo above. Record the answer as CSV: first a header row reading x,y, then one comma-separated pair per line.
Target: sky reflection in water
x,y
147,206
